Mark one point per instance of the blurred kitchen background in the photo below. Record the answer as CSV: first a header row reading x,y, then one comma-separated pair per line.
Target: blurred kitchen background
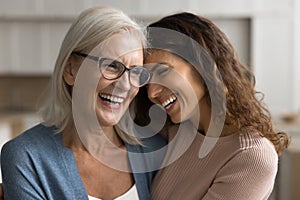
x,y
266,34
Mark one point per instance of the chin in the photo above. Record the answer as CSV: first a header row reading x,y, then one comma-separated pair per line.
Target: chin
x,y
111,122
108,120
179,118
175,120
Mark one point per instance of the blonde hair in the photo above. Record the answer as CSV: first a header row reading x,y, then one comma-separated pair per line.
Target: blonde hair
x,y
91,27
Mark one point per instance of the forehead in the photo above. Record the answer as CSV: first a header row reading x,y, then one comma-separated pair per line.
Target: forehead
x,y
162,56
120,44
158,56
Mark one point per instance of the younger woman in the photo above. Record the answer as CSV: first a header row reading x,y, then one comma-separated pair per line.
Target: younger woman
x,y
198,79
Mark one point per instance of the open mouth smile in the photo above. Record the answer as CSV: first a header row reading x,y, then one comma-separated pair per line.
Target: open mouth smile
x,y
169,102
114,100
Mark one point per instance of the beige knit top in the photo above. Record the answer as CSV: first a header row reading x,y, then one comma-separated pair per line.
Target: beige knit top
x,y
241,166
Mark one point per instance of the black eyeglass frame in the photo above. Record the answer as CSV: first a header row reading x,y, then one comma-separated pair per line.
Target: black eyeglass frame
x,y
99,60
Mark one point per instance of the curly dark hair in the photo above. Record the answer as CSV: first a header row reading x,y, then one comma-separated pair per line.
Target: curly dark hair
x,y
243,107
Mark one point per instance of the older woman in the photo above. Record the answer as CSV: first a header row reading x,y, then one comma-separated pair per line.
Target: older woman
x,y
79,152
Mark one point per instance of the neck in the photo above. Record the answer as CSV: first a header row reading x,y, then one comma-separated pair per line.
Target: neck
x,y
72,140
205,115
205,119
70,137
111,133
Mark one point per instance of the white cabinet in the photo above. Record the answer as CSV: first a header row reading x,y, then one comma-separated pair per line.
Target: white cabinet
x,y
31,32
30,46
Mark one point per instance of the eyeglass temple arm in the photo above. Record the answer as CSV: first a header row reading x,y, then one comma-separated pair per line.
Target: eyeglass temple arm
x,y
95,58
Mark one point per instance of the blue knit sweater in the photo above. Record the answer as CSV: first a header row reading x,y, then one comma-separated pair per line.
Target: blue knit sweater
x,y
36,165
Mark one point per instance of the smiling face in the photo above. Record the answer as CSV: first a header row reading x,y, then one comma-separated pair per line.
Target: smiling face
x,y
111,98
114,96
175,85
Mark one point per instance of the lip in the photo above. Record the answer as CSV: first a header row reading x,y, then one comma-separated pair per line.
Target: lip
x,y
169,109
111,101
165,100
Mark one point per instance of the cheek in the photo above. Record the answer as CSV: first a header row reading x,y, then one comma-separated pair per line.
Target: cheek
x,y
199,89
133,93
103,83
149,92
190,92
195,84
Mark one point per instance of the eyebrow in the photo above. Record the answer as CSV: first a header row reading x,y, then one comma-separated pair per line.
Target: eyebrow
x,y
159,64
121,62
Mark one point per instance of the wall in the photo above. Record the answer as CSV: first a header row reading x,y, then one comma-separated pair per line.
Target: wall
x,y
295,55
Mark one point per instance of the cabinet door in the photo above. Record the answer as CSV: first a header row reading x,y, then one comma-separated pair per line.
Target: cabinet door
x,y
30,47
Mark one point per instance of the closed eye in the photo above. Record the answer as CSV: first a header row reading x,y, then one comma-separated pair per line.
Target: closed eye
x,y
159,69
163,71
110,65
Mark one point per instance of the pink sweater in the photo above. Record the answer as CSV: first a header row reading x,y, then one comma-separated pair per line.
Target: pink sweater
x,y
239,167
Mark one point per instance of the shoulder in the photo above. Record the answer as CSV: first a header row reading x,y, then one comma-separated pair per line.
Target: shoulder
x,y
255,153
29,151
36,165
250,169
251,142
32,141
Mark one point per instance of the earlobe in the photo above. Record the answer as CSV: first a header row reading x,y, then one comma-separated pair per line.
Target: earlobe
x,y
68,74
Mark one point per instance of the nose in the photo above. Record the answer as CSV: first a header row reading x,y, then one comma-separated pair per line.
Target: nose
x,y
123,82
154,90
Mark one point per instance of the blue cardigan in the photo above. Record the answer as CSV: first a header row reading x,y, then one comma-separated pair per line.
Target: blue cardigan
x,y
36,165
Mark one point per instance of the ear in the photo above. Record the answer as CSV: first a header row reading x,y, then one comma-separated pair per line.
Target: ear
x,y
69,73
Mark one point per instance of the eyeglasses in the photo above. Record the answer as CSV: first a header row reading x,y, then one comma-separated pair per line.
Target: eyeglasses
x,y
112,69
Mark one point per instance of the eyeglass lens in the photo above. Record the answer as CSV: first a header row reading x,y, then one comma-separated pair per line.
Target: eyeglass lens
x,y
112,69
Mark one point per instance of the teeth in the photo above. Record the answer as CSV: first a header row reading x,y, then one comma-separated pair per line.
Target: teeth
x,y
168,101
168,106
112,99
